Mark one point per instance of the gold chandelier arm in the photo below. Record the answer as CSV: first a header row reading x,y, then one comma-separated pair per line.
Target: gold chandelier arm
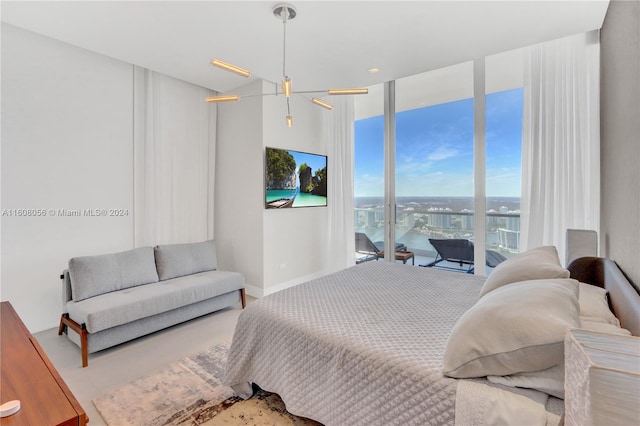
x,y
230,67
348,91
357,91
322,103
223,98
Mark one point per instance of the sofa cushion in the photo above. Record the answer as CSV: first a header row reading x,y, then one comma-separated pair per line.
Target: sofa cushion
x,y
95,275
177,260
121,307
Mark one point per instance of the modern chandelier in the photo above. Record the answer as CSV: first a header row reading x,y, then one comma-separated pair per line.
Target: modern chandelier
x,y
285,12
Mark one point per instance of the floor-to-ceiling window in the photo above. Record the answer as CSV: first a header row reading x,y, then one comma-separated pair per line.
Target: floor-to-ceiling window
x,y
434,157
369,165
503,124
503,170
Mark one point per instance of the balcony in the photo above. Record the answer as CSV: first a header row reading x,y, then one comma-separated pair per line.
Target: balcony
x,y
414,228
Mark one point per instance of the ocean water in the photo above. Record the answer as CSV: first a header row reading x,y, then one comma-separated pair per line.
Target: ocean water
x,y
309,200
276,194
302,199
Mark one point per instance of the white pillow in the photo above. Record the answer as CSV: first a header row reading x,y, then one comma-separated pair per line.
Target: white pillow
x,y
535,264
513,329
595,306
549,380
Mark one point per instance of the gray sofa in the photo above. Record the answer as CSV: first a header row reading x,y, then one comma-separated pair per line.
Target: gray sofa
x,y
112,298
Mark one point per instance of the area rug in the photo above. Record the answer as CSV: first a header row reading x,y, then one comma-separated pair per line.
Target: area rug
x,y
190,392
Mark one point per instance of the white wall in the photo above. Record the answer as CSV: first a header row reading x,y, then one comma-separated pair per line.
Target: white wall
x,y
239,187
67,143
293,238
274,249
620,137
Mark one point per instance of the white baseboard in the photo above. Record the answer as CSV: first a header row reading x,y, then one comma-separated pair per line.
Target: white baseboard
x,y
259,292
253,291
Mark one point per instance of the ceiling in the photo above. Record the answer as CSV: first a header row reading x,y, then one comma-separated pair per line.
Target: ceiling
x,y
329,43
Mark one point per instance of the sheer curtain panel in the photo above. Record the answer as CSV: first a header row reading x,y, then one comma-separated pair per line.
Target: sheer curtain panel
x,y
174,143
339,132
561,140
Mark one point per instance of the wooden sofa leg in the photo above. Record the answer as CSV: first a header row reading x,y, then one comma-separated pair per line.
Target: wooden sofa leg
x,y
62,328
244,298
84,346
65,324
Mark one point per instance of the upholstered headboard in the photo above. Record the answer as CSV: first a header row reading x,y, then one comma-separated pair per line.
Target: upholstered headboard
x,y
624,296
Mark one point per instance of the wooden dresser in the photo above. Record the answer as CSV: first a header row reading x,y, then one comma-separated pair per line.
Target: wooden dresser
x,y
28,375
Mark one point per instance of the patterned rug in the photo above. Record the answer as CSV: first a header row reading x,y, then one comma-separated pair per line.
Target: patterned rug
x,y
190,392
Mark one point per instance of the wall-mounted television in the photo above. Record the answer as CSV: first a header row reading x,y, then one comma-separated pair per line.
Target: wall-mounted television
x,y
294,179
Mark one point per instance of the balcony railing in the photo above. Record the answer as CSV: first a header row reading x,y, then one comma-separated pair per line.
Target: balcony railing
x,y
415,228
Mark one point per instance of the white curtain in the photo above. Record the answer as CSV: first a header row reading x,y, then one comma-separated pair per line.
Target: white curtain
x,y
561,140
174,144
339,133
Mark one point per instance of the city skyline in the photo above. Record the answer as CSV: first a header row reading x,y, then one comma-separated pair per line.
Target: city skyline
x,y
449,204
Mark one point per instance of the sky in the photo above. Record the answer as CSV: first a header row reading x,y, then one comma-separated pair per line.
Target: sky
x,y
434,149
316,162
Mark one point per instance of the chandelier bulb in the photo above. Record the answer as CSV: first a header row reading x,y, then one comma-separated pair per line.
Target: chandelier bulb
x,y
286,86
289,121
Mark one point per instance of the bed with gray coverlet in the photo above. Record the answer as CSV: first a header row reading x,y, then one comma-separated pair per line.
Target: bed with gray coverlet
x,y
363,346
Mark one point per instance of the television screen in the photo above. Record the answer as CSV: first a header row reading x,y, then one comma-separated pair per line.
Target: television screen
x,y
295,179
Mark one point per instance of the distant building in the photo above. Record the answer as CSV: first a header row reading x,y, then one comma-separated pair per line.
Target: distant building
x,y
439,220
509,239
468,222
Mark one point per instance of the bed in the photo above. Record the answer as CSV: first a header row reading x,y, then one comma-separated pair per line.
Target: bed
x,y
367,346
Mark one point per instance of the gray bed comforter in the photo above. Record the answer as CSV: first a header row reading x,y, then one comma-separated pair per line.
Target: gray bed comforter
x,y
362,346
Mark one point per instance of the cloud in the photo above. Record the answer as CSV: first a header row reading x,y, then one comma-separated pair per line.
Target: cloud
x,y
443,152
371,178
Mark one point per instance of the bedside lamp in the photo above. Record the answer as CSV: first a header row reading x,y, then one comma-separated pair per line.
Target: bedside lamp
x,y
602,379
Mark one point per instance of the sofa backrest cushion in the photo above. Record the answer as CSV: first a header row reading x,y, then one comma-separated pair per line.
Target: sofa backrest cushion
x,y
177,260
94,275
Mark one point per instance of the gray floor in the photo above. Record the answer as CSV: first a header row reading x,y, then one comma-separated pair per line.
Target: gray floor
x,y
116,366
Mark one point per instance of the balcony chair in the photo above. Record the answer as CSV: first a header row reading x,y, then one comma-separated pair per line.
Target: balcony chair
x,y
368,250
461,252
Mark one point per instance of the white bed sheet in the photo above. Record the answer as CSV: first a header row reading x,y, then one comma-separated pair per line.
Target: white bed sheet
x,y
362,346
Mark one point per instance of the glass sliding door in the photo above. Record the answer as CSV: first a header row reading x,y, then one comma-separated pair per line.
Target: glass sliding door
x,y
434,158
443,183
369,215
503,106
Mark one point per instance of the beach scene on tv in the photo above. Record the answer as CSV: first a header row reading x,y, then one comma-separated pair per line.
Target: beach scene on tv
x,y
295,179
